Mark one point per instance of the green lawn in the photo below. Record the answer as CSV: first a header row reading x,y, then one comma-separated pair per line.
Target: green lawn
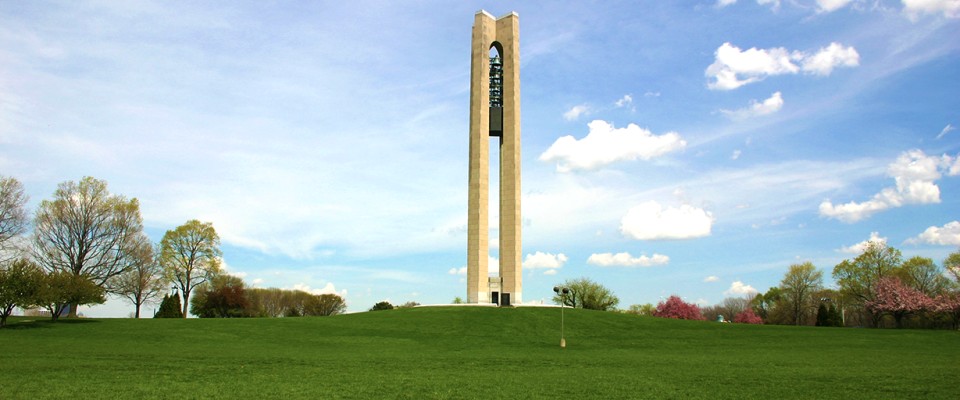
x,y
470,352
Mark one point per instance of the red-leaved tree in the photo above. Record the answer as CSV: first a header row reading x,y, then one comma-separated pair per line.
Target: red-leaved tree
x,y
948,303
747,316
897,299
676,308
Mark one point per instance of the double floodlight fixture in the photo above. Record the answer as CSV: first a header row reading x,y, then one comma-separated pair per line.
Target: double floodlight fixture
x,y
563,292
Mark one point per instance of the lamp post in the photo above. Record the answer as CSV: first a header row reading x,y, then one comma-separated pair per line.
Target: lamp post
x,y
563,292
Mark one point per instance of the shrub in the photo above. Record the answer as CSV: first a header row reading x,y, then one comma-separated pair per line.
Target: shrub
x,y
383,305
748,317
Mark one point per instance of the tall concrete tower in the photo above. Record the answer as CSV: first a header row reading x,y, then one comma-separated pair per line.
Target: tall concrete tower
x,y
494,111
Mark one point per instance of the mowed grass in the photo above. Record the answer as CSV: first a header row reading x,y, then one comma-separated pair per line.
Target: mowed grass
x,y
470,352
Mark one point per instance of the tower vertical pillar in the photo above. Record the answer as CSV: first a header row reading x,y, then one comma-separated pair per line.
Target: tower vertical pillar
x,y
498,115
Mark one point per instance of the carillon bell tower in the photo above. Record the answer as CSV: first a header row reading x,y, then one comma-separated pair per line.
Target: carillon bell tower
x,y
494,112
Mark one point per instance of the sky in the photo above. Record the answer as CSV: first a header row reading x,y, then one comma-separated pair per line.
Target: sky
x,y
696,148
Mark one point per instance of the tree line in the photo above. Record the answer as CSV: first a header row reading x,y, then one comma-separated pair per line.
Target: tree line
x,y
86,243
878,288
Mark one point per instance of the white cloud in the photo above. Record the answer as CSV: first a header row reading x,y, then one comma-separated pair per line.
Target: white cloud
x,y
711,278
257,282
753,64
947,235
576,112
550,272
830,57
733,67
736,154
493,264
944,131
651,221
831,5
738,288
624,101
860,247
915,175
724,3
458,271
544,260
769,106
914,8
605,144
626,260
951,164
326,289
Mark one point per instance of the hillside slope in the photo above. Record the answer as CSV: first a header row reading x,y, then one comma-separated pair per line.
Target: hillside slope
x,y
470,352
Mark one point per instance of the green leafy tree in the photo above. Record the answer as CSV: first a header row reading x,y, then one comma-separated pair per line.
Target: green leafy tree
x,y
587,294
798,286
457,300
20,284
61,289
170,307
13,216
143,282
88,232
858,278
380,306
190,255
923,274
952,265
224,296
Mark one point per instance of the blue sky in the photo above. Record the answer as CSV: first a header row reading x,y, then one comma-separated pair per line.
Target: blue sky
x,y
696,148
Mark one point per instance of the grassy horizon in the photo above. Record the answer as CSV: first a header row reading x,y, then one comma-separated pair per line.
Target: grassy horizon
x,y
469,352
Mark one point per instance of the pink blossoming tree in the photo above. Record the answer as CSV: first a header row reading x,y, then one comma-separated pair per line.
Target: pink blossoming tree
x,y
897,299
676,308
748,317
949,304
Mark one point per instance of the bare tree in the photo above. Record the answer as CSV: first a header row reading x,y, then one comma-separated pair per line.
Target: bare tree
x,y
325,305
13,215
88,232
144,281
190,255
799,285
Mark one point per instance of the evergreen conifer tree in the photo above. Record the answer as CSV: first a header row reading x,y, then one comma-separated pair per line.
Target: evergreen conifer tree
x,y
170,307
823,316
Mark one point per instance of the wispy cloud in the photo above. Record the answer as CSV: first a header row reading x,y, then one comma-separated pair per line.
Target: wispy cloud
x,y
626,260
576,112
755,109
945,130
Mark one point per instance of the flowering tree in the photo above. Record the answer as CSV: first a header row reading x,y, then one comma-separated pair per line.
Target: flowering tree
x,y
897,299
748,317
676,308
950,305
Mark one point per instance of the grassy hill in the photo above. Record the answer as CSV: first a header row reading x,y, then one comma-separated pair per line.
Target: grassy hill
x,y
470,352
